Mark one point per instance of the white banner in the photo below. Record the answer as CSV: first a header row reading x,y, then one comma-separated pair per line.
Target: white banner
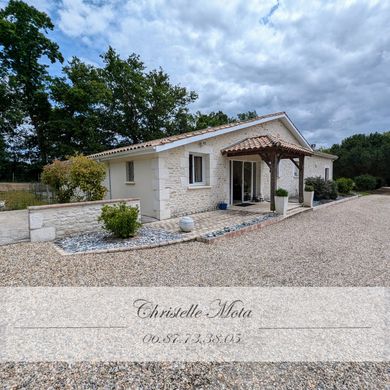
x,y
194,324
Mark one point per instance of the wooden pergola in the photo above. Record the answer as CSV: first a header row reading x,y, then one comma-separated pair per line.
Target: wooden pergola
x,y
271,150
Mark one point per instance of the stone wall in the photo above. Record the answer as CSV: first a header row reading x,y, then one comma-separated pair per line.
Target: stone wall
x,y
183,198
314,166
49,222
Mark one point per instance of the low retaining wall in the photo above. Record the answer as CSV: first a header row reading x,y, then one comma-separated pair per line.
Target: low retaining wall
x,y
239,232
46,223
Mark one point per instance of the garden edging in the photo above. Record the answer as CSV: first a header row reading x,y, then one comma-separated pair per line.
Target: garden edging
x,y
321,206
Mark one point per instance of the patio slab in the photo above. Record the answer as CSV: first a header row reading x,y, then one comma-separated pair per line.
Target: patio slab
x,y
209,221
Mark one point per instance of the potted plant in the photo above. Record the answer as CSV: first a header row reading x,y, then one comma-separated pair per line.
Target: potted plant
x,y
308,196
281,201
223,205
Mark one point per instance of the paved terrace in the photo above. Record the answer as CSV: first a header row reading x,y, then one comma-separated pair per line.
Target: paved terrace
x,y
211,221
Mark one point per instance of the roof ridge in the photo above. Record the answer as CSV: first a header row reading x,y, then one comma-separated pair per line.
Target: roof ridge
x,y
180,136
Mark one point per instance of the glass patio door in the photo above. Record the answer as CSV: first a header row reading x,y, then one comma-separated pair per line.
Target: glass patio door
x,y
242,181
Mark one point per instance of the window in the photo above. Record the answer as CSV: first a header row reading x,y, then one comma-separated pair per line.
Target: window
x,y
326,173
130,171
196,169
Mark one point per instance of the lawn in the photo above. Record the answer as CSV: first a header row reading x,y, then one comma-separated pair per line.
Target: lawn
x,y
19,200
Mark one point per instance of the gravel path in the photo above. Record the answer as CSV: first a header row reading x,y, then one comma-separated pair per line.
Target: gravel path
x,y
343,245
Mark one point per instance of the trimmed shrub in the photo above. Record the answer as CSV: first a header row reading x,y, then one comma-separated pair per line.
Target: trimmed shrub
x,y
281,192
345,185
120,220
365,182
323,189
309,188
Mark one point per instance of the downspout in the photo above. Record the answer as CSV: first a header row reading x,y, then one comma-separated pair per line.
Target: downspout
x,y
109,179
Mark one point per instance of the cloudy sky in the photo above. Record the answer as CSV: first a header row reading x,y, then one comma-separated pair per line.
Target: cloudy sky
x,y
326,63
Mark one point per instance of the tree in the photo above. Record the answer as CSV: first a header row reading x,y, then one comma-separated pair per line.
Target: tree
x,y
363,154
244,116
144,105
77,120
202,121
24,43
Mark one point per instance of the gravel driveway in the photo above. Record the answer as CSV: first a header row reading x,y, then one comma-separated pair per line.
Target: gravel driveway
x,y
343,245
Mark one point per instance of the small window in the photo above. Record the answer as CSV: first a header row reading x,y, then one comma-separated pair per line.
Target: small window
x,y
130,171
326,173
196,167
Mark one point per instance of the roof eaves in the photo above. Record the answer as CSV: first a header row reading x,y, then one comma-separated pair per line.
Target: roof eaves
x,y
219,131
325,155
123,153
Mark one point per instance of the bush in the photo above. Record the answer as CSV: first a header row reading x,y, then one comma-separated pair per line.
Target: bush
x,y
19,200
309,188
323,189
87,175
365,182
281,192
121,220
78,178
345,185
380,182
57,176
333,193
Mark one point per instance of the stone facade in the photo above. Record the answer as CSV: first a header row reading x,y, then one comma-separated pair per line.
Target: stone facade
x,y
49,222
162,179
186,199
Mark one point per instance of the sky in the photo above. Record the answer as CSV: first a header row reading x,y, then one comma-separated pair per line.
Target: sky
x,y
326,63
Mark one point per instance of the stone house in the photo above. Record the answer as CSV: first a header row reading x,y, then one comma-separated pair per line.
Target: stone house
x,y
236,163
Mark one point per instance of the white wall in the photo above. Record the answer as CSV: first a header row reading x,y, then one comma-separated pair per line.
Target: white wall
x,y
314,166
49,222
143,186
161,181
185,199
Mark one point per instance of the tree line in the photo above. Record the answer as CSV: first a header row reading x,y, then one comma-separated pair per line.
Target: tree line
x,y
363,154
87,108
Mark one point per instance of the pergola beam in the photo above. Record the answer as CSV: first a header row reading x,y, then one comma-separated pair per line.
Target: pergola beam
x,y
272,156
274,178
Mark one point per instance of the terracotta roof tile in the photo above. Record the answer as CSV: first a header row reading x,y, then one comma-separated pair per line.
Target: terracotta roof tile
x,y
167,140
262,143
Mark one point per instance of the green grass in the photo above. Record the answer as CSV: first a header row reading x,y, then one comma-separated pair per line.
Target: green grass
x,y
19,200
363,193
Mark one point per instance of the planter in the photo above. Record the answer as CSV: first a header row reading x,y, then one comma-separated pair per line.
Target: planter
x,y
186,224
308,197
222,205
281,203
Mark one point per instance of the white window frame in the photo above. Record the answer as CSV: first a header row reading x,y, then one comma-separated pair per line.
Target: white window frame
x,y
128,164
198,183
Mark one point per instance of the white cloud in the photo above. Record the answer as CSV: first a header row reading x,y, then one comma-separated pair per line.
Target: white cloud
x,y
324,62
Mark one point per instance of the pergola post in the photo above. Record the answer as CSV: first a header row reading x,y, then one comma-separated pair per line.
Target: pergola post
x,y
274,177
301,177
